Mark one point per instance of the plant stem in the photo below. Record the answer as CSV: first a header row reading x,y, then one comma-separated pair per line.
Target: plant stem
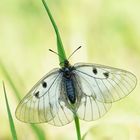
x,y
77,125
11,122
61,52
60,47
37,130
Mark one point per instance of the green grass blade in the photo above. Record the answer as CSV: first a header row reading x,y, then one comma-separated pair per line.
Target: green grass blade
x,y
60,47
62,57
87,132
7,76
77,126
84,136
37,130
11,122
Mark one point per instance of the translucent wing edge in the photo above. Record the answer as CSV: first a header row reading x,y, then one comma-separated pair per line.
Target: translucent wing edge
x,y
78,65
93,103
54,71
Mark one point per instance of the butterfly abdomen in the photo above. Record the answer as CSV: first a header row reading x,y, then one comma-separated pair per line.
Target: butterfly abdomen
x,y
70,90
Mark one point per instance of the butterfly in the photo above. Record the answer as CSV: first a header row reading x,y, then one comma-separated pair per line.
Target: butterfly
x,y
83,89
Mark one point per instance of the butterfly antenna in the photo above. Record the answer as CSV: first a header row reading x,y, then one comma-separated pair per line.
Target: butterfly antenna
x,y
56,53
74,52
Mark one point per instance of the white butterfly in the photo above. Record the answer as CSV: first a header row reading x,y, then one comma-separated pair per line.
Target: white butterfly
x,y
86,90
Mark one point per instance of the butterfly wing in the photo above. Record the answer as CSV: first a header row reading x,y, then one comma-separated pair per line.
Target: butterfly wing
x,y
42,103
65,114
37,105
89,109
103,83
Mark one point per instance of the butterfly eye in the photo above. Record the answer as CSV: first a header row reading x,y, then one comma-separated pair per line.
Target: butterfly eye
x,y
44,84
95,71
106,74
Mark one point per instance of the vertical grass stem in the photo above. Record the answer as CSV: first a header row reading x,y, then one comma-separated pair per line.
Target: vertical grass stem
x,y
61,52
60,47
77,126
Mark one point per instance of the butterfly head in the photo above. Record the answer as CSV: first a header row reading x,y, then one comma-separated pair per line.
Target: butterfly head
x,y
67,69
66,63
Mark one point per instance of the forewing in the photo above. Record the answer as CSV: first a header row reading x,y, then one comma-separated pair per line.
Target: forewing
x,y
39,104
104,83
89,108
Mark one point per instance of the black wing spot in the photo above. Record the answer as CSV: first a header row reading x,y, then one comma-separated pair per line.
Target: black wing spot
x,y
95,71
36,94
106,74
44,84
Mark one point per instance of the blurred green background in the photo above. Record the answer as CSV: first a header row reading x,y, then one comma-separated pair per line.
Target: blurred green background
x,y
109,32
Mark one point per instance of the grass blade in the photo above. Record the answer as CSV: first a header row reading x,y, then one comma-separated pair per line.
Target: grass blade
x,y
84,136
77,126
37,130
7,76
62,57
60,47
11,122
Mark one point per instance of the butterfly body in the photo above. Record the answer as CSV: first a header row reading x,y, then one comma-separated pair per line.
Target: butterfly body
x,y
68,74
70,90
